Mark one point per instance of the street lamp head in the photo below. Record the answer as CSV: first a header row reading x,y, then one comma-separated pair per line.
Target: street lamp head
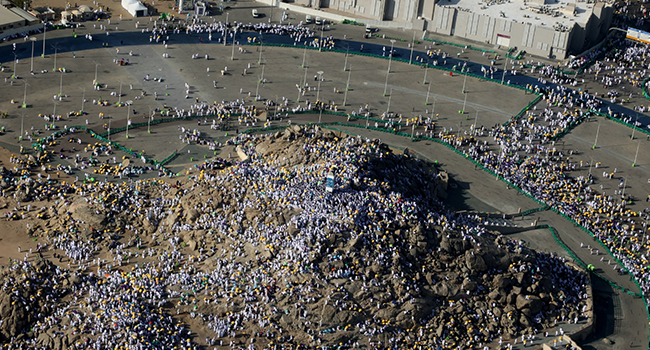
x,y
393,41
320,72
32,38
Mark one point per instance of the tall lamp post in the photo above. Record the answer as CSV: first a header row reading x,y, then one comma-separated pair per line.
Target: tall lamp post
x,y
61,85
22,127
320,43
83,99
638,144
44,31
390,59
119,98
96,65
347,86
225,32
14,75
56,49
128,120
259,60
320,74
412,45
25,96
33,41
232,55
426,69
596,140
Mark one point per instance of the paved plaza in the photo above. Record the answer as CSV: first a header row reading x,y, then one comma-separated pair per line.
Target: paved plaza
x,y
231,72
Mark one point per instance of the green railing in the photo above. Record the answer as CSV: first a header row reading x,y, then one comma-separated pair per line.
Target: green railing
x,y
643,87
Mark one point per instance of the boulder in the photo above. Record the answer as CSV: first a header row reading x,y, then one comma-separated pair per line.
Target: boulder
x,y
532,302
475,262
444,289
81,211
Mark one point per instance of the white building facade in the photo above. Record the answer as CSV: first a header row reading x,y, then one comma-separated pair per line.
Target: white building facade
x,y
548,28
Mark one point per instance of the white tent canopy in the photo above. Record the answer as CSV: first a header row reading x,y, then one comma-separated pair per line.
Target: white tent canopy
x,y
135,8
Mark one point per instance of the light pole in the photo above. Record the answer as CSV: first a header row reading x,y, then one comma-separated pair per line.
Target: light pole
x,y
259,60
433,109
33,41
428,91
320,74
412,45
596,140
119,99
389,98
232,55
304,56
61,85
476,122
503,77
426,68
128,121
54,113
634,126
320,43
345,66
304,79
44,31
96,65
320,114
638,144
464,104
465,81
56,49
22,127
257,89
14,75
299,91
225,32
390,58
347,86
83,99
264,65
25,96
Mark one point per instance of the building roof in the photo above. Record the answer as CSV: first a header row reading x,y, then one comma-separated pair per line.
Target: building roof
x,y
8,16
133,5
561,14
41,11
85,8
24,14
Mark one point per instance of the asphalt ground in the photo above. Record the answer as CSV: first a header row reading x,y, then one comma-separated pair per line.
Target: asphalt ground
x,y
282,69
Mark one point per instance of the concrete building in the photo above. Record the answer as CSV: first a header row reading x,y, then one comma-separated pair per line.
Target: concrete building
x,y
548,28
43,13
15,20
9,20
544,28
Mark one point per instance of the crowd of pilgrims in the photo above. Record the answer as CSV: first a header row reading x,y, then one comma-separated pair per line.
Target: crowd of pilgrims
x,y
300,33
123,304
132,285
